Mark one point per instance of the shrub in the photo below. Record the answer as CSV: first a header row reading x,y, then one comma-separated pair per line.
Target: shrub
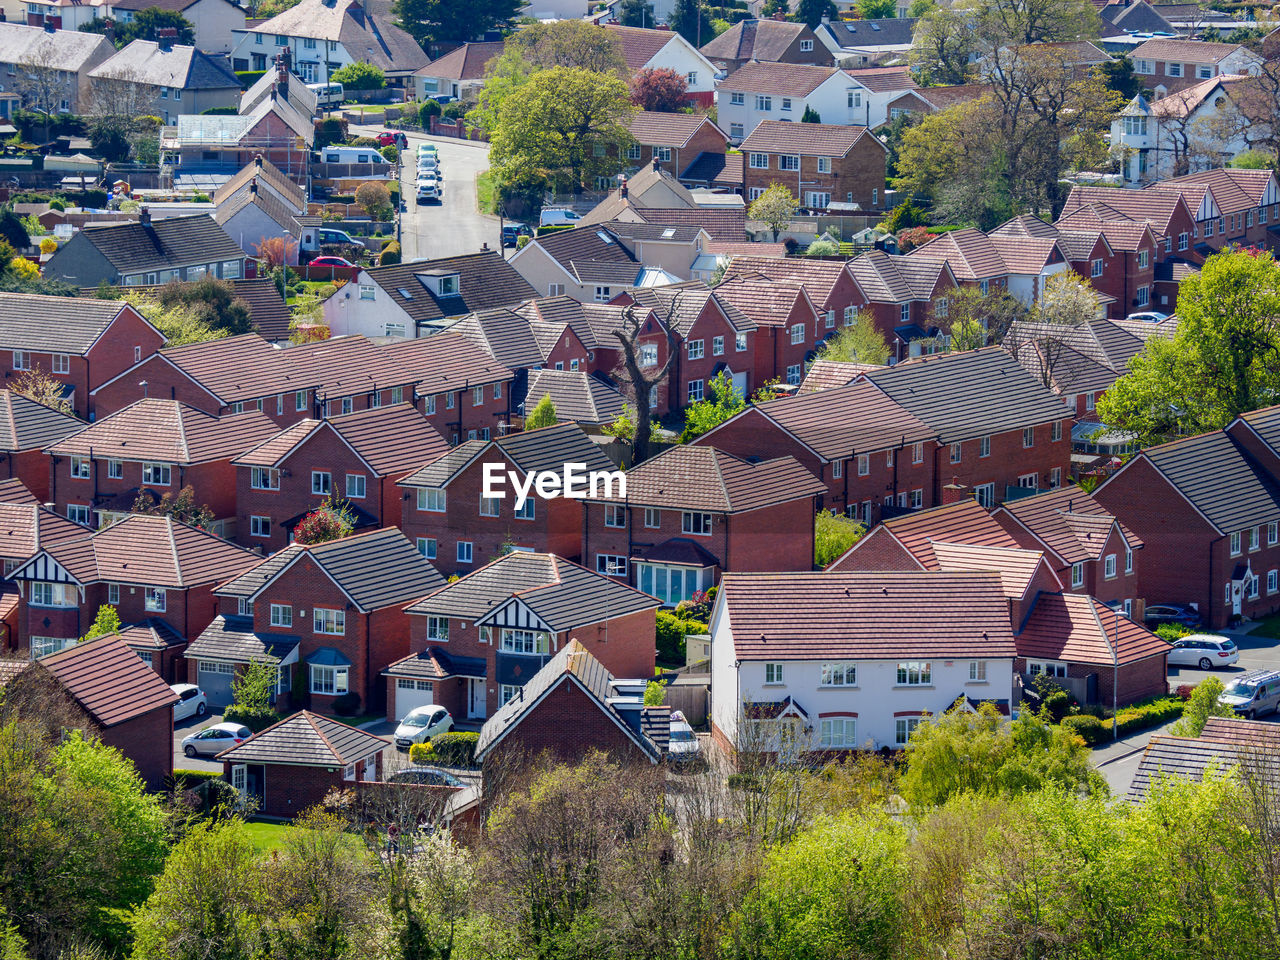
x,y
390,254
456,749
201,198
48,245
360,76
1184,691
255,720
1169,632
391,152
363,142
670,633
429,109
655,692
1089,728
249,77
822,247
187,779
791,245
1149,714
422,753
347,705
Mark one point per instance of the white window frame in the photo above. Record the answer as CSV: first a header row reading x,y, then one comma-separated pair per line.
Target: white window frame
x,y
328,622
281,615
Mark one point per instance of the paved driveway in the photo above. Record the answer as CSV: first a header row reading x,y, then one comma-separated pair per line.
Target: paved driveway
x,y
185,728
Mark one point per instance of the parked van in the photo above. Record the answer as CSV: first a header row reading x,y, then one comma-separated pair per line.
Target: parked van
x,y
328,236
353,155
1254,693
327,94
558,218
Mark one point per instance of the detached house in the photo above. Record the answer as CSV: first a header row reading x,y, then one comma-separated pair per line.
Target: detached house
x,y
1167,65
260,203
1019,264
646,49
1087,252
904,295
673,139
783,91
818,162
1230,206
180,79
68,56
766,41
479,640
459,73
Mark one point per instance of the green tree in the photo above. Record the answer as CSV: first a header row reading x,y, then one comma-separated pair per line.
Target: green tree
x,y
332,520
774,7
723,400
811,115
253,689
636,13
359,76
375,200
775,208
542,415
1118,74
146,25
182,508
1253,160
1203,703
833,536
690,19
451,21
106,621
569,43
877,9
860,343
973,319
811,12
822,247
44,389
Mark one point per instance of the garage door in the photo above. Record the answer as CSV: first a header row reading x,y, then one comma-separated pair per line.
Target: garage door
x,y
215,680
411,694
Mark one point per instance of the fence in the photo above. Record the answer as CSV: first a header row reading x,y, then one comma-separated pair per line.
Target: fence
x,y
691,696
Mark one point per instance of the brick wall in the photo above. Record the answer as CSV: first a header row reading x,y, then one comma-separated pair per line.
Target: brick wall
x,y
147,740
778,537
1136,681
860,172
711,323
289,790
164,381
878,550
128,340
456,423
214,484
1007,461
32,468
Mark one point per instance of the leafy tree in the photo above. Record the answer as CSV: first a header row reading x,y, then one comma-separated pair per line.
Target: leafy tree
x,y
44,389
904,215
877,9
775,208
636,13
253,689
1201,705
974,319
1253,160
13,233
811,12
659,90
375,200
811,115
452,21
146,25
723,400
1020,22
542,415
359,76
569,43
773,7
182,508
105,622
690,19
822,247
332,520
860,343
1117,73
833,536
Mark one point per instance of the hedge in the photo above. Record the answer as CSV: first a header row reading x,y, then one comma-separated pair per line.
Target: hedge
x,y
188,779
671,631
1140,716
249,77
456,749
254,720
1088,727
421,753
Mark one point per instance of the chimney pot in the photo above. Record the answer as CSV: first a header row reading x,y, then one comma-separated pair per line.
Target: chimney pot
x,y
144,216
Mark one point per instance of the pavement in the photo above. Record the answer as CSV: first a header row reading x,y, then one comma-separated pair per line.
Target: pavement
x,y
455,226
184,728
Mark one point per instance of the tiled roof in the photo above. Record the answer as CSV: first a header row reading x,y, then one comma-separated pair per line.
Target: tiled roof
x,y
806,139
1183,51
884,79
485,281
150,634
1069,522
548,448
269,174
230,639
728,223
271,206
715,168
762,40
180,67
703,478
1214,473
467,62
867,616
819,277
1076,52
67,50
435,663
27,425
26,527
578,396
307,739
1245,733
571,664
375,570
961,522
1180,758
1266,424
828,374
669,129
302,102
778,79
438,472
591,253
854,34
1183,103
678,306
971,254
943,97
504,334
1233,190
594,323
267,309
1081,629
639,45
167,431
1121,233
366,30
160,552
562,594
172,242
109,680
1154,205
767,303
444,362
14,491
886,279
80,321
1017,567
970,394
1082,359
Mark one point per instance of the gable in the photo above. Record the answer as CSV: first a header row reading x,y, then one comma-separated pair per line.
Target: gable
x,y
44,568
303,568
515,614
879,550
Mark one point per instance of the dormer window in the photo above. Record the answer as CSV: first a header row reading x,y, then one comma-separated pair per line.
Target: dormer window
x,y
442,284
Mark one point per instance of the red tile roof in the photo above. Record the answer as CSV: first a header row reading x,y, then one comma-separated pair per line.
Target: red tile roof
x,y
639,45
768,304
1017,567
805,139
961,522
778,79
467,62
1080,629
167,431
1155,205
669,129
819,277
828,374
884,79
109,680
445,362
161,552
1068,521
1183,51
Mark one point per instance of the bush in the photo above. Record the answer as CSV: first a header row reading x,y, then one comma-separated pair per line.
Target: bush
x,y
1089,728
96,199
429,109
359,76
363,142
187,779
670,633
1184,691
1169,632
391,152
1149,714
422,753
255,720
347,705
456,749
201,198
791,245
248,78
220,112
822,247
390,254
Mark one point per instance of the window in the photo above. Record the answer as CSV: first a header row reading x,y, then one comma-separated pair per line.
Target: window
x,y
735,129
264,478
158,473
1184,240
956,452
855,98
864,464
1135,126
917,453
429,405
915,673
1055,478
698,524
1273,533
79,513
1109,566
367,291
633,152
836,732
281,615
740,342
1028,437
1252,587
80,468
904,313
489,506
850,315
1128,560
611,565
113,593
1271,581
1143,296
648,354
1143,259
427,547
330,622
61,363
300,400
695,348
497,392
331,681
1077,574
464,551
505,692
1096,269
904,727
41,646
356,485
438,629
21,360
603,294
984,446
615,515
115,469
1143,66
1235,544
985,495
737,99
806,46
794,372
763,102
662,154
477,396
525,641
839,674
1173,69
695,391
977,671
788,161
321,482
717,346
526,510
772,673
1208,228
797,333
259,526
824,164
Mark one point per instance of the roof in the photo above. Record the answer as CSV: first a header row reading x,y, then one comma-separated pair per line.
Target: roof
x,y
1233,189
108,680
267,309
1182,103
301,100
760,40
639,45
669,129
704,478
547,448
267,202
485,281
467,62
150,634
307,739
1081,629
886,279
1183,51
884,79
826,374
1181,758
962,522
779,79
66,50
727,224
866,616
366,30
970,394
806,139
1226,485
767,303
180,67
562,594
26,528
24,321
711,168
591,254
161,552
1069,522
14,491
269,174
1017,567
974,255
230,639
1078,359
436,663
891,32
166,431
171,242
819,277
572,664
27,425
578,396
444,362
1155,205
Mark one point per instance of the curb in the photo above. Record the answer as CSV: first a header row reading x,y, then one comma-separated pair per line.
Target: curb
x,y
1123,756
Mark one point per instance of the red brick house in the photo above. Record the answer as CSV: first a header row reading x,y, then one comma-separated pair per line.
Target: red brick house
x,y
830,284
155,447
906,542
26,429
571,707
447,517
1000,431
159,646
477,641
693,512
875,458
460,388
1230,206
294,764
789,328
356,458
820,163
91,342
903,295
146,567
766,41
673,139
337,607
1088,253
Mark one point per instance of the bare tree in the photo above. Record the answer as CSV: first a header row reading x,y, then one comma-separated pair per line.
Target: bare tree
x,y
1258,99
42,82
638,378
1259,814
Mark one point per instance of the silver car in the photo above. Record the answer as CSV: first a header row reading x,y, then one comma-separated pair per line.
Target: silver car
x,y
213,740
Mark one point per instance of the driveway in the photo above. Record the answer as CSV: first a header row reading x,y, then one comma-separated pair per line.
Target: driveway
x,y
185,728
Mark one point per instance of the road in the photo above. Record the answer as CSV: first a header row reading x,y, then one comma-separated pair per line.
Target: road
x,y
455,227
183,728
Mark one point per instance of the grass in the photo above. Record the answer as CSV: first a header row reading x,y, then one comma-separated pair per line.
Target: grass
x,y
358,720
268,836
1270,627
487,192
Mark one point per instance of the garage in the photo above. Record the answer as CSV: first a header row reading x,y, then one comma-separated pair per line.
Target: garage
x,y
214,679
411,694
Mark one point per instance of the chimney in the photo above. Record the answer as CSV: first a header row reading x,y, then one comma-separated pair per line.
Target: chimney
x,y
622,185
165,37
109,30
144,217
954,492
484,247
253,188
257,161
657,166
282,78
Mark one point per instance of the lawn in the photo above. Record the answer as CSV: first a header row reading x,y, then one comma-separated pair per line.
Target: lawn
x,y
486,192
1270,627
270,836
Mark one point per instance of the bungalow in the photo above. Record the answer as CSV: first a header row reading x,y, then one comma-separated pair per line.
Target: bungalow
x,y
459,74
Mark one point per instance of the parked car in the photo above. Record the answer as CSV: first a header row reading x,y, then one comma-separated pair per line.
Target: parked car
x,y
191,701
512,232
429,191
683,746
421,724
331,262
1254,694
388,138
327,235
425,149
429,164
558,218
1148,316
1203,650
213,740
430,776
1159,613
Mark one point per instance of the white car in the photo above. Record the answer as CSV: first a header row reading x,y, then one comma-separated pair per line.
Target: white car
x,y
421,724
211,741
1148,316
683,746
1203,650
191,701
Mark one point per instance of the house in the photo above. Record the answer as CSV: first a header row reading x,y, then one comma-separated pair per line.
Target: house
x,y
1230,206
926,100
789,327
903,295
1207,509
770,91
459,73
214,21
1164,210
409,299
864,43
159,646
1000,431
765,41
579,397
26,429
675,140
646,49
830,285
1087,252
524,343
355,459
142,252
175,78
816,162
479,640
608,716
693,512
349,623
1225,744
454,525
144,566
829,374
462,391
1130,278
1126,20
149,449
874,457
260,203
69,53
653,195
28,527
1020,265
906,542
818,662
294,764
879,86
125,704
1167,65
322,38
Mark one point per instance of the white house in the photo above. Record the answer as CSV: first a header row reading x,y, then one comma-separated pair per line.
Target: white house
x,y
841,661
654,49
214,20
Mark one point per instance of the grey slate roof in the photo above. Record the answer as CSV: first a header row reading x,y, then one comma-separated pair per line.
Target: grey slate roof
x,y
1185,758
307,740
485,281
592,254
66,50
367,31
231,639
548,448
27,425
1220,479
54,324
970,394
870,33
302,100
578,396
181,67
172,242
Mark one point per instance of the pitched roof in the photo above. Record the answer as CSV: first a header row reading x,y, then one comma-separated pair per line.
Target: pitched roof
x,y
230,639
591,254
669,129
171,242
265,201
485,281
180,67
884,79
269,174
767,303
366,30
1225,484
890,32
572,664
302,101
1265,422
1183,51
639,45
779,79
1182,103
1155,205
827,374
109,680
24,321
1069,522
720,223
14,491
962,522
467,62
578,396
307,739
1081,629
160,552
1233,190
679,305
761,40
1078,359
267,309
886,279
27,425
444,362
708,167
26,527
866,616
819,277
150,634
166,431
1017,567
67,50
806,139
1180,758
970,394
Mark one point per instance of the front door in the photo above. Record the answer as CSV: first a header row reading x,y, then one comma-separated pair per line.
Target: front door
x,y
476,699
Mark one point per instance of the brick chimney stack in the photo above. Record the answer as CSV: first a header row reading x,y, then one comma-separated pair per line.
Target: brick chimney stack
x,y
954,492
144,217
165,37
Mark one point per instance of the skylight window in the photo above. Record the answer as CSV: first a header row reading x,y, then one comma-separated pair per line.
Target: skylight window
x,y
405,293
668,233
604,236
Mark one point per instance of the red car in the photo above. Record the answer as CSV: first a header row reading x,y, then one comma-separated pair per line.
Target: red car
x,y
331,262
387,138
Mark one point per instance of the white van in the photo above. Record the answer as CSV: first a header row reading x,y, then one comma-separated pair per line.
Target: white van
x,y
327,94
354,155
558,218
1254,693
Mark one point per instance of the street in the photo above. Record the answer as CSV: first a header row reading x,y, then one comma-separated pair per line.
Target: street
x,y
455,226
